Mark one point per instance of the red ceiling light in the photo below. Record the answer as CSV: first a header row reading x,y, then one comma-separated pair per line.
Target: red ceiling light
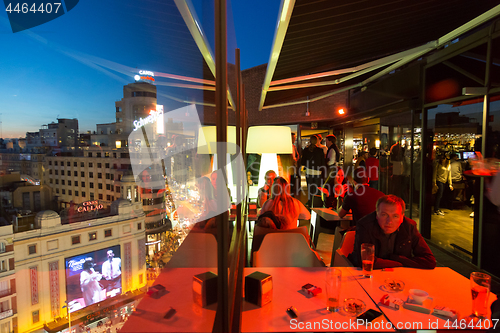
x,y
341,111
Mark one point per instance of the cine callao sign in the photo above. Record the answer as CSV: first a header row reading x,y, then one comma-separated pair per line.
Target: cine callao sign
x,y
89,206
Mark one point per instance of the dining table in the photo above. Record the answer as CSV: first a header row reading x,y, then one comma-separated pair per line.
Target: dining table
x,y
446,288
313,315
174,310
325,220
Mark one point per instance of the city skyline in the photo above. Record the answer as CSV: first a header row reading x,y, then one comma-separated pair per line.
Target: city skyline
x,y
76,65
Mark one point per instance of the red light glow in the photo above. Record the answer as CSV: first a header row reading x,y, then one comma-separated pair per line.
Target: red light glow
x,y
341,111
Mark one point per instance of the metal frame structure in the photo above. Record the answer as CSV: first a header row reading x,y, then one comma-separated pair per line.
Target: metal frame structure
x,y
484,36
391,62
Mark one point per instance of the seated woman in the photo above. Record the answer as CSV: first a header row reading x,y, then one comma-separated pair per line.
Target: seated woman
x,y
284,206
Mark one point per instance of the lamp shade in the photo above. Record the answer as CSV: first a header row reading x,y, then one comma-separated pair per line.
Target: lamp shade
x,y
207,140
269,139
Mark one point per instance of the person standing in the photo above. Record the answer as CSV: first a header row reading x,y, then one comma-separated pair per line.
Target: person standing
x,y
333,182
313,159
322,146
441,177
295,173
332,153
91,289
361,160
457,177
372,167
396,158
111,271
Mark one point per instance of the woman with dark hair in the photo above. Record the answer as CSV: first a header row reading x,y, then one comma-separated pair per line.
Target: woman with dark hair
x,y
282,204
441,176
91,289
313,159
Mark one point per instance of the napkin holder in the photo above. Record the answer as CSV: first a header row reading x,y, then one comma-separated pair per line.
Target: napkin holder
x,y
424,307
258,288
205,289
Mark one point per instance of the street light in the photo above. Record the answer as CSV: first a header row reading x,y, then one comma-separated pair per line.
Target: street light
x,y
69,315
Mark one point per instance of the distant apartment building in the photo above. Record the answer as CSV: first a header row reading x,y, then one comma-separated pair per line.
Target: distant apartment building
x,y
53,258
15,145
104,174
93,176
33,141
26,164
84,140
63,134
106,135
19,192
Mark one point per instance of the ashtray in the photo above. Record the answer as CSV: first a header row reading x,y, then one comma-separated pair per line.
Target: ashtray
x,y
354,306
394,286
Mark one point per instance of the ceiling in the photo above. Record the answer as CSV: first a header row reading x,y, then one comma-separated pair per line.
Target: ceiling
x,y
345,36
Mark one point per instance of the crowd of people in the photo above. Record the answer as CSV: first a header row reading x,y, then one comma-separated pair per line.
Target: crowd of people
x,y
347,188
378,219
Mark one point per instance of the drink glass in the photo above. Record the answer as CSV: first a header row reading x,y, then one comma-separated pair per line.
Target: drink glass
x,y
333,283
367,258
480,284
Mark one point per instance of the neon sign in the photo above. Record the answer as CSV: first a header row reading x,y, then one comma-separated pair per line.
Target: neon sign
x,y
153,116
89,206
145,76
141,72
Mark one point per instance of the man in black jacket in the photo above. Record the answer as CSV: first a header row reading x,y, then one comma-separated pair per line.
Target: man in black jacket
x,y
396,238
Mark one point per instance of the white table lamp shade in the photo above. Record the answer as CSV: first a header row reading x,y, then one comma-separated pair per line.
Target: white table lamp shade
x,y
269,139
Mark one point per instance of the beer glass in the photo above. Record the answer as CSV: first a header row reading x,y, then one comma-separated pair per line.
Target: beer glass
x,y
480,284
367,258
333,284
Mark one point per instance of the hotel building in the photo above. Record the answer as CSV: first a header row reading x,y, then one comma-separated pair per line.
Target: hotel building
x,y
8,295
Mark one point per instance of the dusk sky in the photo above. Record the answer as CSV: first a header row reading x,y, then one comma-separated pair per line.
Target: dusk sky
x,y
76,65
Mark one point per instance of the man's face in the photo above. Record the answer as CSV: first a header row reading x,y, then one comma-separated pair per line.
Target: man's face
x,y
389,217
110,255
328,143
270,179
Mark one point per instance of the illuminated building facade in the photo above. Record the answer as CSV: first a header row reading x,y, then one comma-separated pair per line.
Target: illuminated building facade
x,y
53,259
94,176
8,295
139,98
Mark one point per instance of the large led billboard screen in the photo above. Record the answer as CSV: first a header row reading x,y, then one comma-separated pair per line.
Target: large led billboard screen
x,y
93,277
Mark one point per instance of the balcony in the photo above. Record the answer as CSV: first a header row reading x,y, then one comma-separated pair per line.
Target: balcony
x,y
6,314
6,292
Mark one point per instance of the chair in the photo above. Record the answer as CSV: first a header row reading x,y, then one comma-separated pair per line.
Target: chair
x,y
339,236
319,226
317,201
285,249
197,250
252,215
346,248
260,232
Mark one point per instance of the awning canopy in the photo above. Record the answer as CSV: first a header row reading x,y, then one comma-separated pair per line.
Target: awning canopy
x,y
327,46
